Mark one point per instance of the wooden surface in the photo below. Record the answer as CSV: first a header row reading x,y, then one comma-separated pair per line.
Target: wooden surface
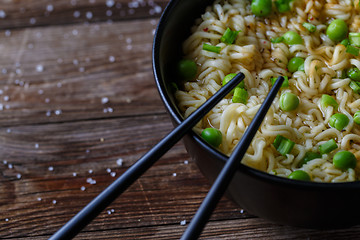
x,y
78,106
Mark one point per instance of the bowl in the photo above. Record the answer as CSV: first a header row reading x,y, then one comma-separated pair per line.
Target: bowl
x,y
281,200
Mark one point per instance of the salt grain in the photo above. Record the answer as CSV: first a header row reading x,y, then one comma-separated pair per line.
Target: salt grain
x,y
183,222
54,201
48,113
108,170
39,199
51,168
73,2
91,181
74,174
113,174
49,8
47,100
174,174
104,100
6,98
59,84
58,112
8,130
81,69
4,71
75,32
108,212
82,188
91,171
10,166
32,20
129,47
59,60
109,13
36,145
18,176
2,14
242,211
119,162
7,33
75,62
39,68
5,162
6,219
110,3
111,59
186,162
76,14
89,15
40,91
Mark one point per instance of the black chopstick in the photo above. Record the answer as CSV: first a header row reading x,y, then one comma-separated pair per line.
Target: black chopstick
x,y
98,204
219,187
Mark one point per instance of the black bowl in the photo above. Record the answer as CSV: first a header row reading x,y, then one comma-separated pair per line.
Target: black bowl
x,y
289,202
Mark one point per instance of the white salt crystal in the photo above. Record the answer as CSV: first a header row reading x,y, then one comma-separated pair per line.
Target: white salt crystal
x,y
36,145
91,171
4,71
7,33
40,91
113,174
110,3
59,60
75,32
108,170
6,98
174,174
54,201
81,69
5,162
39,68
6,219
111,59
82,188
73,2
109,13
10,166
74,174
51,168
49,8
58,112
75,62
48,113
186,162
59,84
89,15
183,222
119,162
76,14
104,100
2,14
32,20
39,199
47,100
242,211
18,176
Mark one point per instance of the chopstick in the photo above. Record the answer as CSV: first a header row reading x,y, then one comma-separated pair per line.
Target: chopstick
x,y
219,187
98,204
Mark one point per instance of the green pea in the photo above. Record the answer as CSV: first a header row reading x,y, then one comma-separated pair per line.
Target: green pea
x,y
353,73
228,78
338,121
344,160
299,175
261,8
288,101
292,37
357,117
212,135
187,69
337,30
295,63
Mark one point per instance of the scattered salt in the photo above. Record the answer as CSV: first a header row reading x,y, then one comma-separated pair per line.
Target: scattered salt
x,y
8,130
74,174
81,69
32,20
91,181
6,219
119,162
48,113
91,171
5,162
89,15
82,188
75,62
129,47
40,91
111,59
58,112
59,84
242,211
2,14
10,166
108,170
133,4
73,2
76,14
51,168
183,222
186,162
174,174
47,100
113,174
18,176
36,145
54,201
39,199
110,3
104,100
108,212
75,32
109,13
6,98
4,71
39,68
7,33
49,8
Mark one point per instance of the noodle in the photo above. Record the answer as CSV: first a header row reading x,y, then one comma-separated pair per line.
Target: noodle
x,y
259,59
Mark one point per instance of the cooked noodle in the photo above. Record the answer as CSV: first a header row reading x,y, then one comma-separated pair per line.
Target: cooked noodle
x,y
253,54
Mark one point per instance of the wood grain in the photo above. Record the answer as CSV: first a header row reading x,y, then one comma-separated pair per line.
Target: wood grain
x,y
78,106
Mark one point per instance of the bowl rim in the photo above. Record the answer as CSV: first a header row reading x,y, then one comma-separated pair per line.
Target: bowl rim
x,y
171,109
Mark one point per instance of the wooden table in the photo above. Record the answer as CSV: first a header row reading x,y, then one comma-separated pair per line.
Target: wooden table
x,y
78,106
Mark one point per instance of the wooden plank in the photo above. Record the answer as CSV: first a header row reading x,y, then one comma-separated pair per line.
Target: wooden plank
x,y
77,72
30,13
39,170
